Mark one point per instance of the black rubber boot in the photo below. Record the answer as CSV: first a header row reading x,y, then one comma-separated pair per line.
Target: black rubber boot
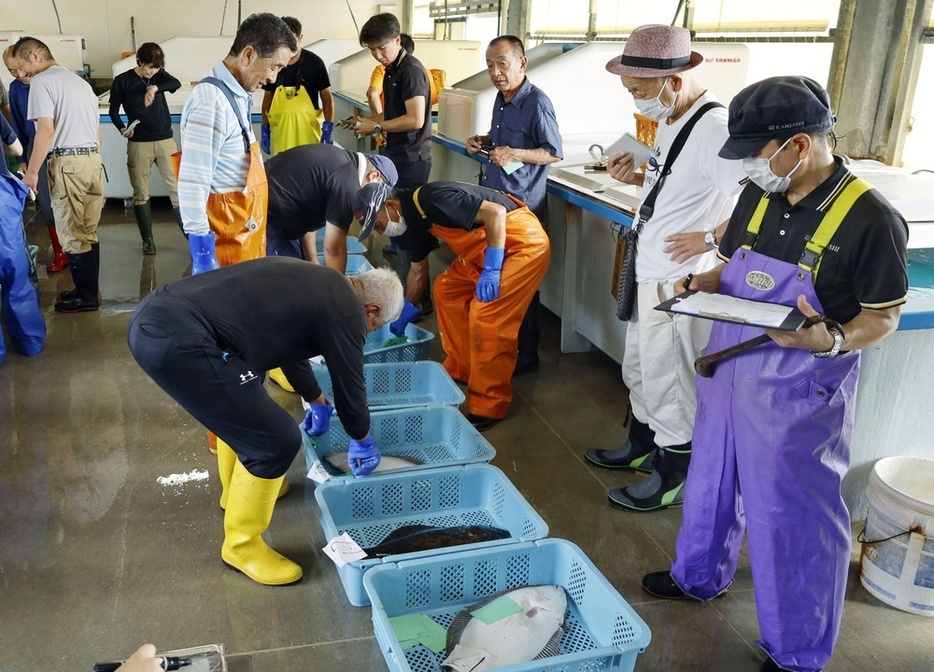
x,y
72,293
663,488
143,213
636,454
529,332
178,220
660,584
84,275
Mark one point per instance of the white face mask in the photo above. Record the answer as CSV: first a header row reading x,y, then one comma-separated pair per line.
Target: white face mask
x,y
760,172
653,108
394,228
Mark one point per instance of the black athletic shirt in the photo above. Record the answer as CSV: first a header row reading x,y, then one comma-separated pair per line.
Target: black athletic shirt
x,y
311,185
279,312
314,76
129,89
865,264
454,205
404,79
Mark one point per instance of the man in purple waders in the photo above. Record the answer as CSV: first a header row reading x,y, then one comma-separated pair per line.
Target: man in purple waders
x,y
774,424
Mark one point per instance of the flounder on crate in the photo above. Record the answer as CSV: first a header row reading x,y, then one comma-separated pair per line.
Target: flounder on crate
x,y
525,624
415,538
340,463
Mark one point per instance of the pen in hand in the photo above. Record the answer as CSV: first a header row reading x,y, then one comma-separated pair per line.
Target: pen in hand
x,y
166,663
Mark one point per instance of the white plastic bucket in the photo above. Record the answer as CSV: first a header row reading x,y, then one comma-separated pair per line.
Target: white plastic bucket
x,y
897,563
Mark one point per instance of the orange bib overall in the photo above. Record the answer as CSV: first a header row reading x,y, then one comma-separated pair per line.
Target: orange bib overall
x,y
481,339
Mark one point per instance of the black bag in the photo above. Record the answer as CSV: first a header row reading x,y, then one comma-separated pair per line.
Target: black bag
x,y
626,291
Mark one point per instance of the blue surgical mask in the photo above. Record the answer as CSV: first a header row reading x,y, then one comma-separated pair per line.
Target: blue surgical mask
x,y
760,172
653,108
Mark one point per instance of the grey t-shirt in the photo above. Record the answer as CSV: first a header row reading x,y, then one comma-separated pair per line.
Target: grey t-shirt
x,y
69,100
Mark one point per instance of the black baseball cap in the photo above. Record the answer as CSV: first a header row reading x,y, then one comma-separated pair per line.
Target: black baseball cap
x,y
775,109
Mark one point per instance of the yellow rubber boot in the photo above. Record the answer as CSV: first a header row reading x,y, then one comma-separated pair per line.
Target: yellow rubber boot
x,y
279,379
249,509
226,459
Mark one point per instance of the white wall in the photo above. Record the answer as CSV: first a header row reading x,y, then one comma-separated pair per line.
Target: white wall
x,y
105,24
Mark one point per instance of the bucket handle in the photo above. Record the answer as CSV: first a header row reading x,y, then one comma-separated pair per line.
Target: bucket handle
x,y
861,537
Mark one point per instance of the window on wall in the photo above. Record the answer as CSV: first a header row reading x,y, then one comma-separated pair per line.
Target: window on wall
x,y
475,19
615,18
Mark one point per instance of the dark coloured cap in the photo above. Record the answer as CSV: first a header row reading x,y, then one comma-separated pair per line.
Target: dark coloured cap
x,y
386,168
367,203
775,109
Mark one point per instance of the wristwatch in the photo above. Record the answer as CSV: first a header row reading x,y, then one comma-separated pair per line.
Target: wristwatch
x,y
710,238
377,128
837,344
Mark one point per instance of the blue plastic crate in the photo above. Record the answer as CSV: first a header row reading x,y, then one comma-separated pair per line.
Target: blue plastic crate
x,y
356,264
415,350
354,246
433,434
602,630
370,508
400,384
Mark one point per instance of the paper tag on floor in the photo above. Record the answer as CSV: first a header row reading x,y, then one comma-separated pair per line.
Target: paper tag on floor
x,y
318,473
343,550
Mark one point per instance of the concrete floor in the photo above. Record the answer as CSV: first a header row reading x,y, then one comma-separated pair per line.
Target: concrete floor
x,y
96,557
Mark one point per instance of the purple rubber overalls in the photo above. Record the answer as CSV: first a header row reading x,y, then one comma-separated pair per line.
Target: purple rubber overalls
x,y
771,447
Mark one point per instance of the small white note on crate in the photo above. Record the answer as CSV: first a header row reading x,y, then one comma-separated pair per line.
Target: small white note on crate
x,y
343,550
318,473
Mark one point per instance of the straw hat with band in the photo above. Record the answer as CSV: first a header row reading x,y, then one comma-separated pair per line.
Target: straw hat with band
x,y
655,51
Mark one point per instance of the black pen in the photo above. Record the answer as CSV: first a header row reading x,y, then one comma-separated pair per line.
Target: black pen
x,y
687,281
166,663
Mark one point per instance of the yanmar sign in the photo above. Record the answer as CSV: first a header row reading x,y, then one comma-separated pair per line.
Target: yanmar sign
x,y
723,60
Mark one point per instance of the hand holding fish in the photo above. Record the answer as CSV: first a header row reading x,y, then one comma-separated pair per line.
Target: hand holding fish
x,y
363,456
317,420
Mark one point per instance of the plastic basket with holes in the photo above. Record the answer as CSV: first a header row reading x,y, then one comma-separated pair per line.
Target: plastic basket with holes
x,y
414,350
354,246
356,264
431,435
399,384
369,508
602,632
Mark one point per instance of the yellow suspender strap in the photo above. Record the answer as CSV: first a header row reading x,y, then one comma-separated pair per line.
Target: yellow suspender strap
x,y
814,250
418,206
752,230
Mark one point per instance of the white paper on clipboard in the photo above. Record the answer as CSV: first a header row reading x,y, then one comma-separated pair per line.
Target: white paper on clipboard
x,y
629,143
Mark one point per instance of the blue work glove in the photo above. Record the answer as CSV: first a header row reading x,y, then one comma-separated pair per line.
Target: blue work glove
x,y
362,456
409,313
203,257
265,139
317,419
326,129
488,284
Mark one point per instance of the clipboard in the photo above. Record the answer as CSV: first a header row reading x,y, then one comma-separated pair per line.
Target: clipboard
x,y
735,310
640,151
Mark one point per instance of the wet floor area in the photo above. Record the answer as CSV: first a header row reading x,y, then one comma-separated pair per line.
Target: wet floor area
x,y
110,531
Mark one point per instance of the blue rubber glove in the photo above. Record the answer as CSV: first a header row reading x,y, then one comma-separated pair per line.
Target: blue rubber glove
x,y
317,420
488,284
409,313
203,257
265,139
326,129
364,455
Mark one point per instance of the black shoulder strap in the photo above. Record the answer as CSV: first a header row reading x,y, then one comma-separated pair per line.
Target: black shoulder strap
x,y
648,206
233,103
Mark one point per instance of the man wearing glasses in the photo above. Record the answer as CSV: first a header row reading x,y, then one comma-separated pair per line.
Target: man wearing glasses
x,y
677,239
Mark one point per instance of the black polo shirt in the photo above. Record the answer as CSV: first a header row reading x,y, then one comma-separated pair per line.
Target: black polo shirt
x,y
863,266
311,185
407,78
453,205
310,70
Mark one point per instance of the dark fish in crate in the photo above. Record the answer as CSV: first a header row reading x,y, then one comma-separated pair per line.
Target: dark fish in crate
x,y
528,626
414,538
